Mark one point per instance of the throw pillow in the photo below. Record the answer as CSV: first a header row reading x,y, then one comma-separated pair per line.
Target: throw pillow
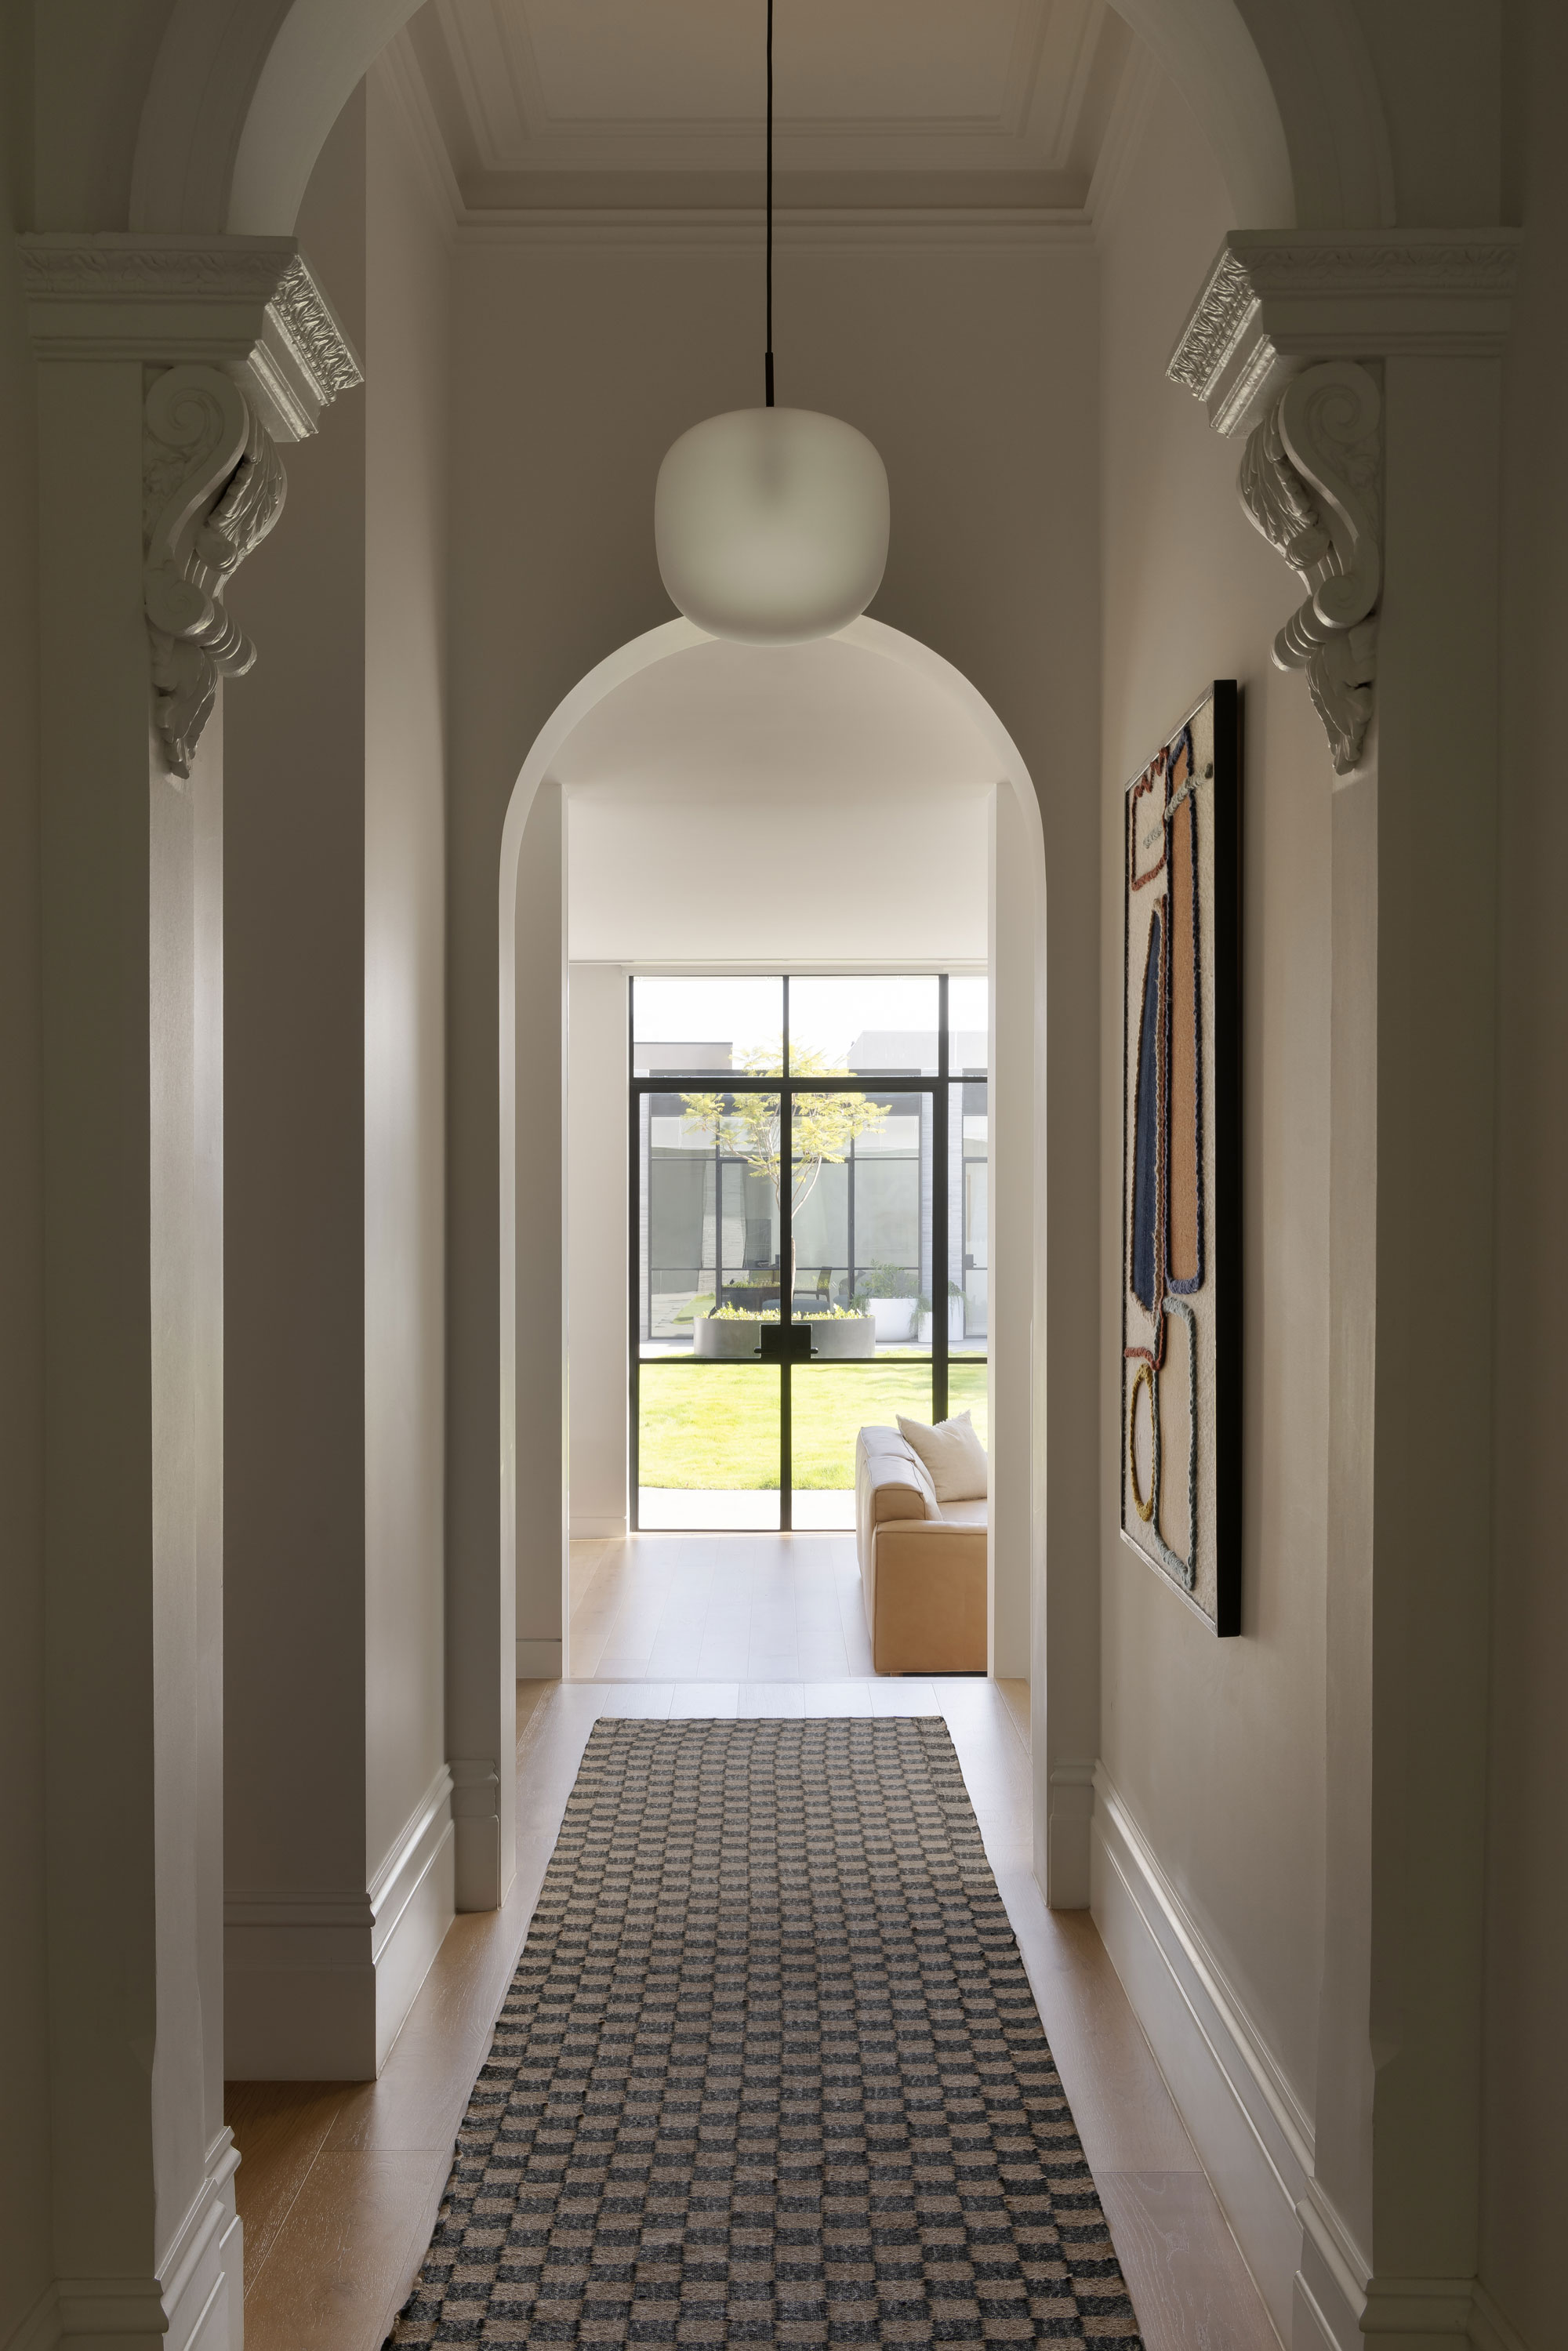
x,y
953,1454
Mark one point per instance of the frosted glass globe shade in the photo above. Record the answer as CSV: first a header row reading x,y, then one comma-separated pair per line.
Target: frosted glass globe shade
x,y
771,525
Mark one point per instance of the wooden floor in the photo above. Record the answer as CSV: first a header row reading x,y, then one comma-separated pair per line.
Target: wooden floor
x,y
338,2184
713,1607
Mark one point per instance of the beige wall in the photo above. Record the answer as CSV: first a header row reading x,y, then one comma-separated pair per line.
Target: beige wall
x,y
1216,1746
295,1501
596,1224
406,288
974,373
25,2265
1525,2181
335,1663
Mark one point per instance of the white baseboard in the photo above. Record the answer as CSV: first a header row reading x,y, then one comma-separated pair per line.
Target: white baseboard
x,y
478,1882
194,2304
539,1661
1251,2134
40,2329
597,1530
316,1985
1490,2330
202,2273
1251,2137
1070,1811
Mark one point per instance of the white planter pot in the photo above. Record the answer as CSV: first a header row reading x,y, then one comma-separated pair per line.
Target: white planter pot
x,y
894,1320
954,1324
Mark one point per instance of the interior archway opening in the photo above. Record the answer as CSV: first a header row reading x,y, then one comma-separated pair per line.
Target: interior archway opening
x,y
799,906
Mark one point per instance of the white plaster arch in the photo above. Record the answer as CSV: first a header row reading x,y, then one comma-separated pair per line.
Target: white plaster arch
x,y
1021,1225
244,93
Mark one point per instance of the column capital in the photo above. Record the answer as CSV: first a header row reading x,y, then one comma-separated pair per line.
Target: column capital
x,y
247,305
1273,303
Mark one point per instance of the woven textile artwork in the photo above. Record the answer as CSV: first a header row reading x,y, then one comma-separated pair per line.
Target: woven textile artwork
x,y
1181,1191
770,2070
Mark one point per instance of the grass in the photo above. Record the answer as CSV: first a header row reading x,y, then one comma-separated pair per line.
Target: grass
x,y
715,1428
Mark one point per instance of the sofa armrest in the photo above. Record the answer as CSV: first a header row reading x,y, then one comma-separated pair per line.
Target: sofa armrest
x,y
926,1597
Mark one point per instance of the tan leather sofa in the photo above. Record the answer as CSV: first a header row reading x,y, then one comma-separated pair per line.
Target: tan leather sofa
x,y
921,1562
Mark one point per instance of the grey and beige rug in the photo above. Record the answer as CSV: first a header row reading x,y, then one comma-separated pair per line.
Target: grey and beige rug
x,y
770,2070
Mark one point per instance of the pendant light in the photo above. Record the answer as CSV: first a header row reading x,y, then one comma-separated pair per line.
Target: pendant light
x,y
771,523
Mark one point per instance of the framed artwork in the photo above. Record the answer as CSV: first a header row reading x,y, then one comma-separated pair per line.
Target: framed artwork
x,y
1181,1161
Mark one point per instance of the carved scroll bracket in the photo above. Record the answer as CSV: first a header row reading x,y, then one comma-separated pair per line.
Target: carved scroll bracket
x,y
1310,482
247,352
1281,345
214,485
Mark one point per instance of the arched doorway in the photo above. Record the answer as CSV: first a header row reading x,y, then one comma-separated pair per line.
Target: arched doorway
x,y
872,665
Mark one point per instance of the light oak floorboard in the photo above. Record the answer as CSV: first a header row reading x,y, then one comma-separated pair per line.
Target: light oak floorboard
x,y
338,2184
1189,2284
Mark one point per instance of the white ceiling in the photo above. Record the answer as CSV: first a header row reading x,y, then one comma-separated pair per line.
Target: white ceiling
x,y
925,88
812,803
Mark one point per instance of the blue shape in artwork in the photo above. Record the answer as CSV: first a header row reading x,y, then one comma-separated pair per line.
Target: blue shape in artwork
x,y
1146,1127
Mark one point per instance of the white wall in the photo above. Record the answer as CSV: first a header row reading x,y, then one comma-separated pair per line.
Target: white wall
x,y
1525,2181
1216,1748
334,1668
973,372
596,1224
657,879
25,2267
407,264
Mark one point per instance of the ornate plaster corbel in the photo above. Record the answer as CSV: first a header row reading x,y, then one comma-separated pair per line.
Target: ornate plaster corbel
x,y
246,352
1278,345
1309,482
214,485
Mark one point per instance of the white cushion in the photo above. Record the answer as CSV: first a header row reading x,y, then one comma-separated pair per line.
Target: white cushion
x,y
953,1454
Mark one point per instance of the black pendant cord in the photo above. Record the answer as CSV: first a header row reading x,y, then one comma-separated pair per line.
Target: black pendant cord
x,y
767,363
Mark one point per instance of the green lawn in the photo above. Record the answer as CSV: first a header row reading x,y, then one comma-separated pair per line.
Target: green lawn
x,y
715,1426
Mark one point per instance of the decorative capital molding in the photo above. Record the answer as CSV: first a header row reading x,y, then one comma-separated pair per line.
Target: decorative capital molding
x,y
245,304
1309,481
1273,302
212,487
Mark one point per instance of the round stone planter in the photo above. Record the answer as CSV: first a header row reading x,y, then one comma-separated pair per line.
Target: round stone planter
x,y
841,1336
721,1341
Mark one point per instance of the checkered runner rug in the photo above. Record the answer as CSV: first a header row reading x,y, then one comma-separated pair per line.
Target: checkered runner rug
x,y
770,2070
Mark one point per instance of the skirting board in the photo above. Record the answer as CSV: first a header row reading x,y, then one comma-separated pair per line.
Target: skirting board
x,y
195,2304
600,1530
1252,2136
316,1985
539,1661
40,2329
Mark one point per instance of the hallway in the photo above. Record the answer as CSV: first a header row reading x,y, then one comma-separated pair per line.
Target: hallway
x,y
738,1609
338,2184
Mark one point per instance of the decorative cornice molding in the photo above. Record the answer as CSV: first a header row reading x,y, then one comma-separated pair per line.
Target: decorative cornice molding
x,y
1309,481
246,304
213,486
308,320
1273,302
850,232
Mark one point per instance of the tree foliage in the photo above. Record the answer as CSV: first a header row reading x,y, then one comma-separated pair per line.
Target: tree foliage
x,y
750,1126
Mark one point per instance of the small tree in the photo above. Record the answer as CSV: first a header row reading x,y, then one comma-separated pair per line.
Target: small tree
x,y
751,1128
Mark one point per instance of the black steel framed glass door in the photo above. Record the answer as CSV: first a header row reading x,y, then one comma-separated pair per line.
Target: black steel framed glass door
x,y
808,1234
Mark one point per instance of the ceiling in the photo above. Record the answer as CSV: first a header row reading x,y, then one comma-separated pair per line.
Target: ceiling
x,y
809,802
789,725
552,102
